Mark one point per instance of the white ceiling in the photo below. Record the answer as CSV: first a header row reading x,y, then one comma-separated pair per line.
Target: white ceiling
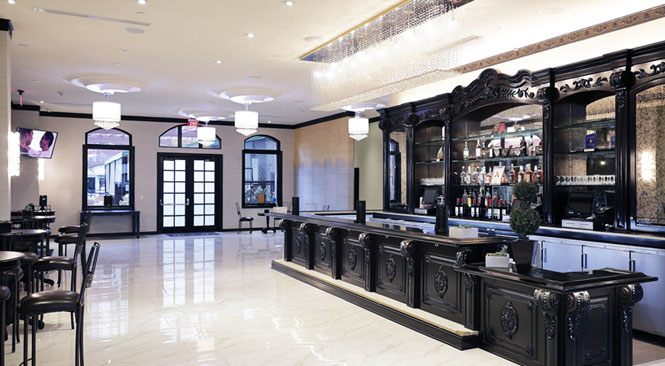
x,y
176,55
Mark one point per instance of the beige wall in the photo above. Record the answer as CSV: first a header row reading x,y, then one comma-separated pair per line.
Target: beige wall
x,y
5,125
63,171
368,156
324,165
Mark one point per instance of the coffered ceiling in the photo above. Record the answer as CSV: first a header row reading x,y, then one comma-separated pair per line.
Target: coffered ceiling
x,y
171,47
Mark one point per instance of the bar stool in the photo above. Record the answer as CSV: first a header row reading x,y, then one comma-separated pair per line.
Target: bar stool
x,y
40,303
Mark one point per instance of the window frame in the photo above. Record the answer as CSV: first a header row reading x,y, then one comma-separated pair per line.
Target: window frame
x,y
84,175
179,127
278,154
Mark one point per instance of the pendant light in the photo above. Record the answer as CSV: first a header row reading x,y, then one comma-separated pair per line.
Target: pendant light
x,y
106,114
358,127
246,122
206,134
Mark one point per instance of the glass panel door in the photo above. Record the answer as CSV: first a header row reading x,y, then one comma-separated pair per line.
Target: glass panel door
x,y
188,189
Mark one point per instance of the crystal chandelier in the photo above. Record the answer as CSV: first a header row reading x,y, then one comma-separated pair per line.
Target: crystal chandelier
x,y
106,114
358,127
412,45
246,122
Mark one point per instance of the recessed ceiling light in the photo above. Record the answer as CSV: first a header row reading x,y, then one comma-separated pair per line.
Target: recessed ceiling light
x,y
269,121
116,64
134,30
11,1
142,2
289,3
251,35
41,102
218,62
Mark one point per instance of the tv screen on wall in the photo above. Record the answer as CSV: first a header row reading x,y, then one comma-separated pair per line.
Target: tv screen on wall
x,y
36,143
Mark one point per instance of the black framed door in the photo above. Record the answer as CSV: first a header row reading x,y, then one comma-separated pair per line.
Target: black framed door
x,y
189,192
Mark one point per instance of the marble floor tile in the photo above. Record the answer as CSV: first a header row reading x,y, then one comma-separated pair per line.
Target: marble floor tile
x,y
213,300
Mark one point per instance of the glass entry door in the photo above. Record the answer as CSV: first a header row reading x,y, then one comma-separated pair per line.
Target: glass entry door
x,y
189,192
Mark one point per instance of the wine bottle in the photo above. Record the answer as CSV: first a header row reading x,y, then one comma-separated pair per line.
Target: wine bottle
x,y
483,152
465,197
523,147
478,152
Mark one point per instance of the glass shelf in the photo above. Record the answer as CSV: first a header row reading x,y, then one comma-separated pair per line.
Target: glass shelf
x,y
583,185
500,135
431,143
430,162
507,158
430,185
595,152
608,123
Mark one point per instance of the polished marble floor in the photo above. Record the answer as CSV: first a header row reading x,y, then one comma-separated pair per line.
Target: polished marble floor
x,y
213,300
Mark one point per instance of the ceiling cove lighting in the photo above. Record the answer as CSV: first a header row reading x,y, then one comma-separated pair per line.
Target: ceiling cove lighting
x,y
106,114
246,122
358,127
366,62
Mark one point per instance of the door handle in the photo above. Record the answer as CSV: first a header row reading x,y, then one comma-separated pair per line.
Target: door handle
x,y
584,261
187,201
632,265
544,255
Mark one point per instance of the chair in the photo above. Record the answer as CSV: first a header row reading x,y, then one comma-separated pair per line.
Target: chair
x,y
242,219
39,303
70,235
326,207
4,296
61,263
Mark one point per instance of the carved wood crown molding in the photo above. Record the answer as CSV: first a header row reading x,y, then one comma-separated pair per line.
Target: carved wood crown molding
x,y
492,85
568,38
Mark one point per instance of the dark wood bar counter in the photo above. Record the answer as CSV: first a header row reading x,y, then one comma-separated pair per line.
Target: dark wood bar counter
x,y
543,318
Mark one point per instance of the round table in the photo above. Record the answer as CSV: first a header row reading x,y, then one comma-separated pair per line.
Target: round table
x,y
267,228
44,221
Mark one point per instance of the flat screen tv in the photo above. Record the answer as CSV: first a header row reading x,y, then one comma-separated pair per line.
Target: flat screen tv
x,y
37,143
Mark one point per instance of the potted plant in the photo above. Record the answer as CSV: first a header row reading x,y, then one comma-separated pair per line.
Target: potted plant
x,y
524,221
499,259
463,232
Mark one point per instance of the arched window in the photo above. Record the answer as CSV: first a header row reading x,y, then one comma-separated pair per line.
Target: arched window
x,y
108,166
185,137
262,167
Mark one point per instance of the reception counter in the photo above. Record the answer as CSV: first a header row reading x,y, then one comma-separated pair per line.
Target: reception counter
x,y
543,318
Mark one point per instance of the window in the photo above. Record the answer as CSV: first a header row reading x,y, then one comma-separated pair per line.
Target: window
x,y
108,166
262,177
185,136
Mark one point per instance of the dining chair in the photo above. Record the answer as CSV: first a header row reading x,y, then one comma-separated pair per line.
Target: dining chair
x,y
70,235
39,303
5,294
242,219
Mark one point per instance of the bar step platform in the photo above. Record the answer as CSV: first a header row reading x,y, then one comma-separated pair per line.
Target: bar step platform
x,y
441,329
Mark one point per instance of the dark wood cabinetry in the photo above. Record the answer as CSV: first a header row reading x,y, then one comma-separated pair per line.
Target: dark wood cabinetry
x,y
596,127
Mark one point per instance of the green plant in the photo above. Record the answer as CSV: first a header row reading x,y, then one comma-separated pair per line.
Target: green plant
x,y
525,192
29,207
501,253
524,221
467,226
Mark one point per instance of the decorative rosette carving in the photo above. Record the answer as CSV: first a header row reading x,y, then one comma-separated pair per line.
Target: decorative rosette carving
x,y
352,257
462,257
391,269
509,320
441,282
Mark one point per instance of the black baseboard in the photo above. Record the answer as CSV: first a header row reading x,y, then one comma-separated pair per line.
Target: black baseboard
x,y
442,335
117,235
649,338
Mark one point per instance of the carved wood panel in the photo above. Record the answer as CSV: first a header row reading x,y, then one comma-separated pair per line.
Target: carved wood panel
x,y
299,241
352,262
391,272
598,335
322,254
443,287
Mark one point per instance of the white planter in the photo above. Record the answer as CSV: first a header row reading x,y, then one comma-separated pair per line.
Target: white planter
x,y
463,233
497,261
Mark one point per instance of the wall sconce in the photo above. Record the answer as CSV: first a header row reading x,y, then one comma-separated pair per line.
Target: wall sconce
x,y
13,154
40,169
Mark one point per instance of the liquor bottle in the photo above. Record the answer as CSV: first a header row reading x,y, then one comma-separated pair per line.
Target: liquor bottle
x,y
535,178
477,207
462,176
523,147
490,150
488,204
457,207
520,175
481,176
483,152
504,178
469,198
541,175
478,151
465,197
466,150
534,149
513,173
504,209
467,178
474,176
497,149
473,208
488,177
495,207
527,150
482,210
527,174
509,175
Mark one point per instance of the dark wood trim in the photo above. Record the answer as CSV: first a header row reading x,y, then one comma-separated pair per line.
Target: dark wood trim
x,y
84,176
7,26
25,107
442,335
324,119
